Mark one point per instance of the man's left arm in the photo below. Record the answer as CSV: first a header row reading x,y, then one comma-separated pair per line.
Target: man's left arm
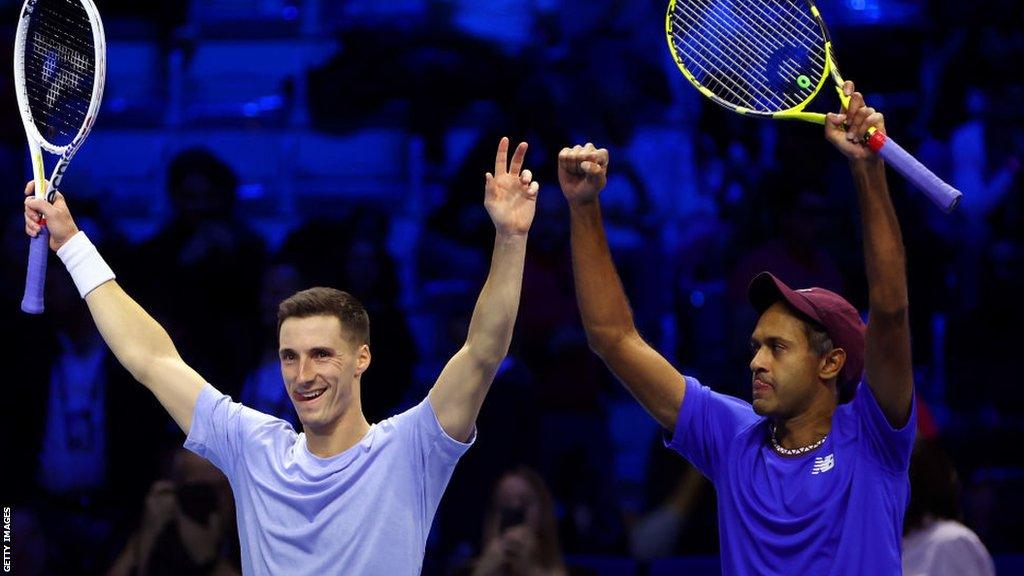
x,y
458,394
887,348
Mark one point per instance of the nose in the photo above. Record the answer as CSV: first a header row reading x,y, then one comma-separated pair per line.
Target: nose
x,y
759,363
306,370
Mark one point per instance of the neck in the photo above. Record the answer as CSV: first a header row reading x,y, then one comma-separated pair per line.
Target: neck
x,y
333,439
803,429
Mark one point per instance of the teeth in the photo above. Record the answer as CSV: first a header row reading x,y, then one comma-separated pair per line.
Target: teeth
x,y
312,395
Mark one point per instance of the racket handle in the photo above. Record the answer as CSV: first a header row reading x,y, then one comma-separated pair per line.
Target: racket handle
x,y
35,281
943,195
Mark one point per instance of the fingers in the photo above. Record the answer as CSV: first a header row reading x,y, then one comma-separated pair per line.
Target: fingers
x,y
40,206
858,123
32,225
517,158
533,190
583,160
501,160
30,188
501,165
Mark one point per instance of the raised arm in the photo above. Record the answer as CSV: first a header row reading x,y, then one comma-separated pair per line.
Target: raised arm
x,y
139,342
611,333
510,200
887,347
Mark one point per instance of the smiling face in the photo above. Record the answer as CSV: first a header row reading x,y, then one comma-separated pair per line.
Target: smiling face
x,y
321,369
788,375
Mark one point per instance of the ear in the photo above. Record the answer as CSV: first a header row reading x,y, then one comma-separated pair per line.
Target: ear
x,y
832,364
362,359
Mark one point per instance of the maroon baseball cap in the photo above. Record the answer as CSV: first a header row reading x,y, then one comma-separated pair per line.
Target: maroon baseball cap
x,y
828,310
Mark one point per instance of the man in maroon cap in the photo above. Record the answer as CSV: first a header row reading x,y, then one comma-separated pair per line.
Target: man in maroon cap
x,y
811,477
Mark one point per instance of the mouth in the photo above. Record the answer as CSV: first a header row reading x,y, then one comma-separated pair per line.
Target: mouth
x,y
308,396
761,387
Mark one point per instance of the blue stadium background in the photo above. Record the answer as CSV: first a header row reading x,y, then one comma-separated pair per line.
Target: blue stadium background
x,y
359,132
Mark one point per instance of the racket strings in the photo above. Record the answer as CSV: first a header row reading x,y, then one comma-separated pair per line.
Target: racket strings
x,y
60,69
761,55
750,86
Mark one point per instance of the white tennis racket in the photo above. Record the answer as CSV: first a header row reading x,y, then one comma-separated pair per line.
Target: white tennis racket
x,y
59,68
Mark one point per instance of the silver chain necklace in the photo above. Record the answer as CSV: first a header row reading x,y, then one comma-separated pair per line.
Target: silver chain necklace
x,y
795,451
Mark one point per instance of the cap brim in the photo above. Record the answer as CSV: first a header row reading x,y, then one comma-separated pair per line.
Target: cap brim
x,y
765,289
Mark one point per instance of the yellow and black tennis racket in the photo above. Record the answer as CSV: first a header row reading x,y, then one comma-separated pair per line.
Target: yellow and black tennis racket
x,y
770,58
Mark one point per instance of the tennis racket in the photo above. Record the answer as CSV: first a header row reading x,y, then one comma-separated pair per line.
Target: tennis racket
x,y
59,70
770,58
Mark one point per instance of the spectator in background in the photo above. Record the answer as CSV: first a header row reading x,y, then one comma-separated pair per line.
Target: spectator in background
x,y
187,526
935,541
680,514
212,253
520,532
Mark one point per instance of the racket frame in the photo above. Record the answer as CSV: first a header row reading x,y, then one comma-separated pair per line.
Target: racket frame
x,y
796,112
33,299
942,194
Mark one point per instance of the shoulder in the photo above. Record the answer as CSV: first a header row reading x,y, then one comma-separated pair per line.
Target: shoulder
x,y
953,531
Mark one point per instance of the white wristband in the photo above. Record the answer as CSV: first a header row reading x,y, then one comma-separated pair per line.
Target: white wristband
x,y
83,261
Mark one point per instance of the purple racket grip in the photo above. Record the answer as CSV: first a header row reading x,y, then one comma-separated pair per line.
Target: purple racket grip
x,y
38,251
943,195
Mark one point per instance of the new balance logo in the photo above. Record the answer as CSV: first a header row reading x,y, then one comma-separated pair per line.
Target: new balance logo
x,y
823,464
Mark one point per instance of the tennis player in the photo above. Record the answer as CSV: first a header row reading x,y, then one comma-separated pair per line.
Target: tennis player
x,y
812,477
344,496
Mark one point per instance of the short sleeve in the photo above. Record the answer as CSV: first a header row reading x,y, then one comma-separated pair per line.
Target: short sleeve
x,y
436,452
891,447
707,425
220,428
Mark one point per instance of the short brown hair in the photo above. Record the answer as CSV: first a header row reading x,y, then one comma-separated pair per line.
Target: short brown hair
x,y
321,301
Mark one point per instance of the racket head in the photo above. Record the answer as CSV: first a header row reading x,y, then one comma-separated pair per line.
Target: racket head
x,y
59,71
766,58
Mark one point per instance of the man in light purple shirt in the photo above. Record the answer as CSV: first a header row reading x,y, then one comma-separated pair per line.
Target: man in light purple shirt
x,y
811,476
343,497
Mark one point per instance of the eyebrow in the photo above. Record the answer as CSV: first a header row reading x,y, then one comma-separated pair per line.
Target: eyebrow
x,y
755,341
312,350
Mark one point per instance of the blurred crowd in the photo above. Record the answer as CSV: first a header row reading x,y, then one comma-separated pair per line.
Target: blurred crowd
x,y
566,464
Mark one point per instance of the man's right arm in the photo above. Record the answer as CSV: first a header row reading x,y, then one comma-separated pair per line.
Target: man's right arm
x,y
607,319
140,344
144,348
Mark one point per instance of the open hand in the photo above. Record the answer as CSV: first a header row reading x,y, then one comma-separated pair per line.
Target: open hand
x,y
510,192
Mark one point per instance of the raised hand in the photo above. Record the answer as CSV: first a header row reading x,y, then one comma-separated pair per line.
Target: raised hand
x,y
58,217
582,172
510,192
847,129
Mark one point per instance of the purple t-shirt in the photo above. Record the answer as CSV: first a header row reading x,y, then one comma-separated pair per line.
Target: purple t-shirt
x,y
835,510
367,510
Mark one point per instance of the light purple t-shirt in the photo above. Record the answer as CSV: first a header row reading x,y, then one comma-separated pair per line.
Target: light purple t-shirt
x,y
366,511
835,510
